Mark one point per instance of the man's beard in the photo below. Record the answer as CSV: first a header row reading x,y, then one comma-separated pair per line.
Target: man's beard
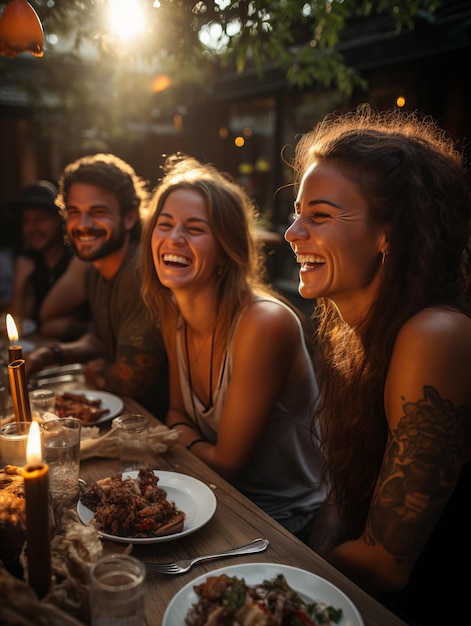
x,y
109,246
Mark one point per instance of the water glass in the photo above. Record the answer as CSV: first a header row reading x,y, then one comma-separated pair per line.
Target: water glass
x,y
133,441
117,588
13,441
43,401
61,439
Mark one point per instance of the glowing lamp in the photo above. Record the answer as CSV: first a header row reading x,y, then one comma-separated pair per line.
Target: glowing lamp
x,y
20,30
160,83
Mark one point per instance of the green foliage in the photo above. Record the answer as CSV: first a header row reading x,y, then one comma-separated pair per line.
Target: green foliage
x,y
106,83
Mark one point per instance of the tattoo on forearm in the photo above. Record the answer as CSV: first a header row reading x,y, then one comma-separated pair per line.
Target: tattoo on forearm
x,y
419,470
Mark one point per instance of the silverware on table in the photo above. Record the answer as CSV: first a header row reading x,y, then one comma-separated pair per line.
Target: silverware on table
x,y
182,566
55,375
37,383
57,370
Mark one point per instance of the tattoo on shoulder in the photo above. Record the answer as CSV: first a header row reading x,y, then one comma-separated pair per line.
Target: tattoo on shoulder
x,y
419,470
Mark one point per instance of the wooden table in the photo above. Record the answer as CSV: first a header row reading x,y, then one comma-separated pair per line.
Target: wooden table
x,y
235,522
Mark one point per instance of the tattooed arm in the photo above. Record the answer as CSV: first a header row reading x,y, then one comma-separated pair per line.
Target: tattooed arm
x,y
427,402
133,372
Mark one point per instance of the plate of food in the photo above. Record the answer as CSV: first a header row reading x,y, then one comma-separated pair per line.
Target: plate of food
x,y
91,407
149,506
301,593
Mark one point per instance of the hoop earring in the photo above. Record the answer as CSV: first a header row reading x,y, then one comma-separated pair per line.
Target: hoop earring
x,y
383,257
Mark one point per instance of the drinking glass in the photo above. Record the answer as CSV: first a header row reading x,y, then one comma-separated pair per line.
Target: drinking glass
x,y
43,401
13,441
133,441
61,438
117,587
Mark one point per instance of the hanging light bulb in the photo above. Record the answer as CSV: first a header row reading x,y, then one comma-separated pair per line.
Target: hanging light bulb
x,y
20,30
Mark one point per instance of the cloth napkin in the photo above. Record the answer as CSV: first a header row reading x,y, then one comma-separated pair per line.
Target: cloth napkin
x,y
92,444
74,548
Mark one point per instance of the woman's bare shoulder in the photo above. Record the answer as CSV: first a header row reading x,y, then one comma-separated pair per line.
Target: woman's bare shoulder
x,y
270,314
437,323
433,349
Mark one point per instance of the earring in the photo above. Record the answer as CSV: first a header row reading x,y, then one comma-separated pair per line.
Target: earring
x,y
219,270
383,257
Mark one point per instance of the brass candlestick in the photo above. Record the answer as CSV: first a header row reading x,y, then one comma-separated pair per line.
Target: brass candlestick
x,y
19,391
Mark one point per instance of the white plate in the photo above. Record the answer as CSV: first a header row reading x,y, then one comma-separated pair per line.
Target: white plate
x,y
26,346
190,495
311,587
109,401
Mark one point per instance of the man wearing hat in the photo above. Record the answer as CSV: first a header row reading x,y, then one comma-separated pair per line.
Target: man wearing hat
x,y
45,255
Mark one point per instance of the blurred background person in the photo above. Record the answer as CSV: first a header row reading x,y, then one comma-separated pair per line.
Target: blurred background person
x,y
44,258
102,198
242,385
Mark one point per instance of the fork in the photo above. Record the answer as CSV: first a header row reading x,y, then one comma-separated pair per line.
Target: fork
x,y
180,567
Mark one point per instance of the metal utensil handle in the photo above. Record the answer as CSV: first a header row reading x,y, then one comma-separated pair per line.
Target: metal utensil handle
x,y
257,545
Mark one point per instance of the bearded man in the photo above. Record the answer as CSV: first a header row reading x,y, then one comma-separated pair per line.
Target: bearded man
x,y
103,200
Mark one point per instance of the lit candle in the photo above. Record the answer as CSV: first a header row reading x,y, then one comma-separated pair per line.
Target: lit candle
x,y
19,391
14,351
38,541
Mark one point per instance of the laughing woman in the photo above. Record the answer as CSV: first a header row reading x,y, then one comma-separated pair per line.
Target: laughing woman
x,y
242,386
382,233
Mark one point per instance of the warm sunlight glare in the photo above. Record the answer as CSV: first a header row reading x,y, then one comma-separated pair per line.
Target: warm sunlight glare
x,y
126,18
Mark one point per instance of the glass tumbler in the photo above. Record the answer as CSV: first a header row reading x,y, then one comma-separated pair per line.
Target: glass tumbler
x,y
133,441
61,440
13,442
43,401
117,588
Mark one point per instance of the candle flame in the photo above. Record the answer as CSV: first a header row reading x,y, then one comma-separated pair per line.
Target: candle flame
x,y
11,328
33,447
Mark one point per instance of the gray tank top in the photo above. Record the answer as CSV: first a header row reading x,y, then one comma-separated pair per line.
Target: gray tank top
x,y
283,475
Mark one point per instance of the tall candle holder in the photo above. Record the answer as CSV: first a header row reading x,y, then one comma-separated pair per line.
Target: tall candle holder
x,y
19,391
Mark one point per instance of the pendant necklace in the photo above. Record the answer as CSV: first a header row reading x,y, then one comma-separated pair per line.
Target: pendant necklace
x,y
210,402
198,354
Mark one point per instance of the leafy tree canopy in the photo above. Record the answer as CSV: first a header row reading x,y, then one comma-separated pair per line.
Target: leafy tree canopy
x,y
88,65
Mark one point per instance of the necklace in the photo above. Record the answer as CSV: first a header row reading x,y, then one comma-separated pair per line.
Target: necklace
x,y
198,354
190,384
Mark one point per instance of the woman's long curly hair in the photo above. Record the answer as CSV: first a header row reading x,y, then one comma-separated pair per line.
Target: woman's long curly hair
x,y
415,182
232,218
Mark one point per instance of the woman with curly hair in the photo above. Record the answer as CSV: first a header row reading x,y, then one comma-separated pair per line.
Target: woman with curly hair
x,y
382,234
242,385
